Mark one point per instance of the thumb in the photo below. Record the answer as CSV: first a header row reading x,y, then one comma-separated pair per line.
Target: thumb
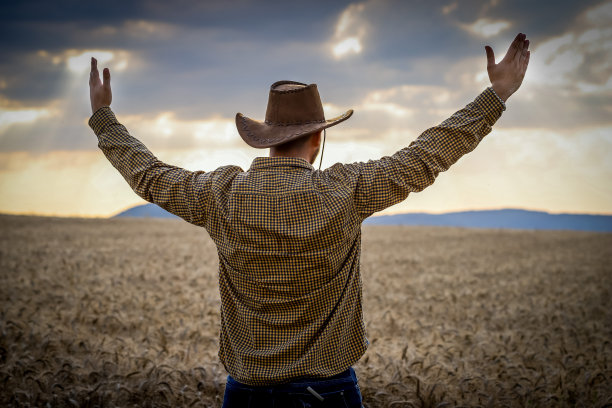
x,y
490,56
106,77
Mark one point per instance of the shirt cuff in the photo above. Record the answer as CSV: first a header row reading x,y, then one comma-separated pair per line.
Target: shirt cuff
x,y
500,99
102,118
491,104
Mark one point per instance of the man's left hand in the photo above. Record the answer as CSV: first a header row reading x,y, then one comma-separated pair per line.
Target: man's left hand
x,y
507,76
99,92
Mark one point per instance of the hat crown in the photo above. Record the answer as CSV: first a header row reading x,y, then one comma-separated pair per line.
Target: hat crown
x,y
294,103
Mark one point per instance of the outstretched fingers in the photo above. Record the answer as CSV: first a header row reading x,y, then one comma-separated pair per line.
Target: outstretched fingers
x,y
94,75
523,51
526,62
106,77
514,47
523,59
490,56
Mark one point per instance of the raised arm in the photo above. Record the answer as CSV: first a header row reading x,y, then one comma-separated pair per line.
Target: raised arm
x,y
379,184
179,191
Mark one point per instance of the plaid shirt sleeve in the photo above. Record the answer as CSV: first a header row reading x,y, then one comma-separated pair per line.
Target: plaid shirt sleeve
x,y
379,184
179,191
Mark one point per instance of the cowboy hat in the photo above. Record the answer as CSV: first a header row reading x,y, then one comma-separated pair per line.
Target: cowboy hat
x,y
294,110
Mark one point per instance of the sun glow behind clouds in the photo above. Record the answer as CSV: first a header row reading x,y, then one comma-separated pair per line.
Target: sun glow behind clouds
x,y
350,30
165,129
487,28
351,44
9,117
81,62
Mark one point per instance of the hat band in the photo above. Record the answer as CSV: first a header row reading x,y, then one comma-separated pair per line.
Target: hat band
x,y
269,122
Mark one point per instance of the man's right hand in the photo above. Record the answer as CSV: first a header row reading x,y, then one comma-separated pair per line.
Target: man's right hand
x,y
99,92
507,76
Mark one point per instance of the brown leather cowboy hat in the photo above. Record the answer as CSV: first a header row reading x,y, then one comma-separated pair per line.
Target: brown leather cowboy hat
x,y
294,110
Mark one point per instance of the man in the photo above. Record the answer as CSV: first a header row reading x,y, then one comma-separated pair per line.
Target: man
x,y
289,236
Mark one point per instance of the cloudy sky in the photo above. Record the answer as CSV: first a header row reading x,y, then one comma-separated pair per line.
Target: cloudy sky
x,y
182,69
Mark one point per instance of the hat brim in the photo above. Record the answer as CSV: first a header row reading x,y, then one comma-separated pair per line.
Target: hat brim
x,y
261,135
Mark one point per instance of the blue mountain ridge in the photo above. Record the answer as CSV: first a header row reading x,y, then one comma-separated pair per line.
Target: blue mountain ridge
x,y
506,218
145,211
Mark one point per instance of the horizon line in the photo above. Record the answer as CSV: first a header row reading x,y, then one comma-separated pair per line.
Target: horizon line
x,y
382,214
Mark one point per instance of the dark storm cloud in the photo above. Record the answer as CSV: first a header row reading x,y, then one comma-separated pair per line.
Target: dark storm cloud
x,y
541,19
29,81
261,19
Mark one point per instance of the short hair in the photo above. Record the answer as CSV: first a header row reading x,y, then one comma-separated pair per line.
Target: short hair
x,y
295,144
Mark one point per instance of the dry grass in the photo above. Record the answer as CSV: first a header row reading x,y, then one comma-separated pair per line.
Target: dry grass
x,y
126,313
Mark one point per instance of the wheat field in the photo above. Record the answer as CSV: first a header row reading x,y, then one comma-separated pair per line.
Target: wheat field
x,y
125,312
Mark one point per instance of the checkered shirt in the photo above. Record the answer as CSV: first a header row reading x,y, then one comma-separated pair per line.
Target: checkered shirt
x,y
289,238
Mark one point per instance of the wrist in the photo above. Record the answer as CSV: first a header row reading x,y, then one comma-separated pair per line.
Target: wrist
x,y
502,93
498,97
96,108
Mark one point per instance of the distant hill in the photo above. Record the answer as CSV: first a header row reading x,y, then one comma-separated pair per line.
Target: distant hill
x,y
510,218
513,219
145,211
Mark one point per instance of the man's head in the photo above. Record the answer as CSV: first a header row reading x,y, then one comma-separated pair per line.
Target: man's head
x,y
306,147
293,124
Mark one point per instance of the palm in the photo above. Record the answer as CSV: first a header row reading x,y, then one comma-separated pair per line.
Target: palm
x,y
507,76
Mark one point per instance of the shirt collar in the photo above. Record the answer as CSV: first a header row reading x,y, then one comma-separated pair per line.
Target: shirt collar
x,y
278,161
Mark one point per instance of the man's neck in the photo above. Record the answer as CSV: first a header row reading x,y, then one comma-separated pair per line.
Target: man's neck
x,y
301,155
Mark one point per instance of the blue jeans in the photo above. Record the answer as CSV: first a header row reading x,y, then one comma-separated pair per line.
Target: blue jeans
x,y
339,391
